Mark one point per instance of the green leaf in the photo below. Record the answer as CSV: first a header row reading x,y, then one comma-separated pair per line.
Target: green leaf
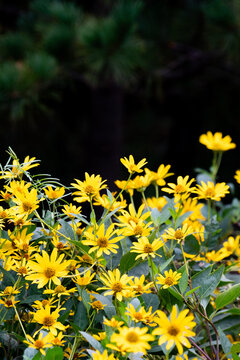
x,y
81,318
183,282
165,264
211,282
191,245
127,262
109,309
55,353
175,293
160,218
192,291
227,297
226,344
93,342
235,350
198,279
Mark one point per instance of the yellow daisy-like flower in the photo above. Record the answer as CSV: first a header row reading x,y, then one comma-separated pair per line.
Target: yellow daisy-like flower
x,y
54,194
102,241
171,278
127,186
217,142
110,204
182,189
89,188
17,169
193,206
57,340
138,286
211,191
179,234
84,280
138,315
145,249
131,215
60,290
140,183
131,166
157,203
9,302
40,343
47,268
97,305
104,356
71,210
232,244
113,323
133,339
26,202
115,284
159,176
48,319
176,330
237,176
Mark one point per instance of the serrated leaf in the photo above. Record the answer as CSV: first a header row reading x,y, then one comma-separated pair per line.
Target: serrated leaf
x,y
227,297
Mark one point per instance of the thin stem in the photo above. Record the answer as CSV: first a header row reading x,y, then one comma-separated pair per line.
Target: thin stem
x,y
20,322
199,349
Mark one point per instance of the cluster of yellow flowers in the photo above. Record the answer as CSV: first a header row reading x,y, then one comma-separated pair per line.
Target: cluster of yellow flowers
x,y
124,282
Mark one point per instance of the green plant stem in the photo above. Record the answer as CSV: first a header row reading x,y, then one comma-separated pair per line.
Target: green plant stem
x,y
199,349
217,157
145,200
74,348
156,191
20,322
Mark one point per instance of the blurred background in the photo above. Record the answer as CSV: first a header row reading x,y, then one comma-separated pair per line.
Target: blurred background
x,y
83,83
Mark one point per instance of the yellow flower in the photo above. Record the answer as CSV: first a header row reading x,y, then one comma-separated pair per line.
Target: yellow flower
x,y
175,330
171,278
57,340
133,339
17,169
131,215
47,268
237,176
89,188
40,343
127,186
159,176
100,336
104,356
9,302
113,323
140,183
116,284
211,191
179,234
156,203
84,280
97,305
60,290
109,204
216,142
102,241
137,285
54,194
137,315
193,206
131,166
231,245
26,202
48,319
71,210
182,189
145,249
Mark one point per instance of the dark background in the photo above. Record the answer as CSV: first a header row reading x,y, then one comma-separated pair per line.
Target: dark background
x,y
83,83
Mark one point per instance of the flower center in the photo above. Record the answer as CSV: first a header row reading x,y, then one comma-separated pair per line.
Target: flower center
x,y
179,189
148,248
60,246
48,321
179,234
102,242
210,192
97,304
138,230
39,344
60,289
22,270
49,272
117,286
132,337
169,281
138,316
173,330
8,303
89,190
27,206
